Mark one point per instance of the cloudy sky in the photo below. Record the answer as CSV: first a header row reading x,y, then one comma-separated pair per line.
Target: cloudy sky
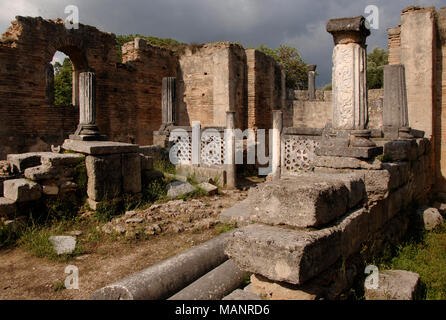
x,y
298,23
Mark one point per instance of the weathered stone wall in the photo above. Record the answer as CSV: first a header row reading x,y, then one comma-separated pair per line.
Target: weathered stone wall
x,y
394,45
302,112
264,89
127,95
212,80
152,65
419,44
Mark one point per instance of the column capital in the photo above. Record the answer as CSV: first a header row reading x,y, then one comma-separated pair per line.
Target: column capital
x,y
349,30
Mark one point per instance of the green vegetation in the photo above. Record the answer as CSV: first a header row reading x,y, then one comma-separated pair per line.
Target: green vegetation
x,y
384,158
225,227
164,166
424,254
63,83
295,67
376,60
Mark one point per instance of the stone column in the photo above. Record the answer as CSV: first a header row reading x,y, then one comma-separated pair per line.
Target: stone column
x,y
87,129
395,113
349,78
230,166
168,102
277,130
311,81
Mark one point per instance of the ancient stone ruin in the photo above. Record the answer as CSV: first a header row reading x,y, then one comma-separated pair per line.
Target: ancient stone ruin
x,y
345,167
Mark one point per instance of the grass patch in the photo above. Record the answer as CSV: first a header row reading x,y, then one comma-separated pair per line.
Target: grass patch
x,y
424,254
164,166
59,285
384,158
225,227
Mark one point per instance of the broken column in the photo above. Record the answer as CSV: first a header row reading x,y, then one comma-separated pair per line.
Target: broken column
x,y
311,81
351,136
395,113
87,129
168,102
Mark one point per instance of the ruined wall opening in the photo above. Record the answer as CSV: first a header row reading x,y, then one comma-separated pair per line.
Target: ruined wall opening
x,y
62,76
60,88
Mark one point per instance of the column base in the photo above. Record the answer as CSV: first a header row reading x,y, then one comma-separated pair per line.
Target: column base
x,y
361,138
405,133
87,132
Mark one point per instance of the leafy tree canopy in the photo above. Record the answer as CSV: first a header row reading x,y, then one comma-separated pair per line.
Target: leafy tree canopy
x,y
62,83
295,67
376,60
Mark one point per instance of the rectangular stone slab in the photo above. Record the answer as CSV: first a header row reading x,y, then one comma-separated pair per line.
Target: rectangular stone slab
x,y
99,147
292,256
351,152
304,201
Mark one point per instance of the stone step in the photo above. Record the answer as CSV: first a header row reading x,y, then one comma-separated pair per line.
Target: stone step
x,y
239,213
21,190
309,200
23,161
292,256
7,207
296,255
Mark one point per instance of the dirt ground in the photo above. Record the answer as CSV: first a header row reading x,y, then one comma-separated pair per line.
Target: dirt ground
x,y
25,276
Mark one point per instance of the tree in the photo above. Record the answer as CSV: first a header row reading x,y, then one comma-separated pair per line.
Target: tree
x,y
376,60
295,66
63,83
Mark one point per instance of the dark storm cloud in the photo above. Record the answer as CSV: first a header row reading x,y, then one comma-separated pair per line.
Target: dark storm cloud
x,y
299,23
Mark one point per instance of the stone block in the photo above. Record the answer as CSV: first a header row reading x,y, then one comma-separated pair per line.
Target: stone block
x,y
305,201
356,188
395,285
422,144
399,173
346,163
50,189
61,159
146,162
63,244
44,172
354,231
240,294
270,290
239,213
99,147
21,190
395,202
7,207
179,188
292,256
210,189
350,152
376,184
377,216
131,173
401,150
23,161
429,218
104,176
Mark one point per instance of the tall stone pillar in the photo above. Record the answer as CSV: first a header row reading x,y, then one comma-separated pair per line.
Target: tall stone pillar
x,y
311,81
276,148
87,129
230,167
168,102
395,113
349,80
